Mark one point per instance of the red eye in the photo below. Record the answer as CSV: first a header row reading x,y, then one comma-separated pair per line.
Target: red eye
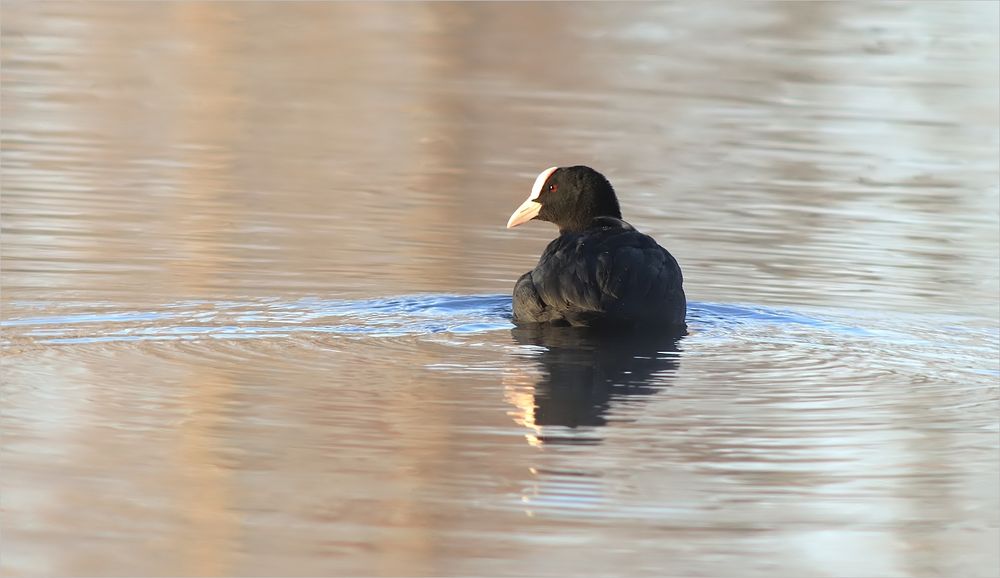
x,y
552,188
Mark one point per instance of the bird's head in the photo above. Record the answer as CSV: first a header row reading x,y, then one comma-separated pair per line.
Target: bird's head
x,y
569,197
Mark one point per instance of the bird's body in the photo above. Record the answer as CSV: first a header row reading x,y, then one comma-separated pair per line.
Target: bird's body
x,y
600,271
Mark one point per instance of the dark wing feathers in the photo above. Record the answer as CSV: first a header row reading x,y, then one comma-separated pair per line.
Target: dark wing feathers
x,y
612,274
527,303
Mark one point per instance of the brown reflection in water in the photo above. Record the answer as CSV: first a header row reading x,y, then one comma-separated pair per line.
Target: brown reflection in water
x,y
206,497
204,493
205,176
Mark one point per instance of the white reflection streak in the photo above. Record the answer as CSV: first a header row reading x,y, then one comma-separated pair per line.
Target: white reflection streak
x,y
519,391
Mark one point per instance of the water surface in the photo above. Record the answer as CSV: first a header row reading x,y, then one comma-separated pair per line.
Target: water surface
x,y
255,290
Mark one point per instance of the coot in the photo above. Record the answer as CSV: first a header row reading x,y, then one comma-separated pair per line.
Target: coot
x,y
600,271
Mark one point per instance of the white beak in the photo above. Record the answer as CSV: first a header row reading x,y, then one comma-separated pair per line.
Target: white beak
x,y
526,212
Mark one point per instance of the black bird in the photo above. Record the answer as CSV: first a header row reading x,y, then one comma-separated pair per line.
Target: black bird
x,y
600,271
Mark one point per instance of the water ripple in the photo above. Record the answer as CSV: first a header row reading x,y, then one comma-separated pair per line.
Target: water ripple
x,y
386,317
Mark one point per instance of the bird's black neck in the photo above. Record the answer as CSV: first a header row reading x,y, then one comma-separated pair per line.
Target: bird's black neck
x,y
602,222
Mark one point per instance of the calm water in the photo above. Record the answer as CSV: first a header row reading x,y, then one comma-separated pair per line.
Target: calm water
x,y
256,290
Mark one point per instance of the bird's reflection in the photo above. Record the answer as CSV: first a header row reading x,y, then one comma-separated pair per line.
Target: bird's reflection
x,y
582,373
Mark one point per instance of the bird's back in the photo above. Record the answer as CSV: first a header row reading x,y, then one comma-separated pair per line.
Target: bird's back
x,y
609,274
